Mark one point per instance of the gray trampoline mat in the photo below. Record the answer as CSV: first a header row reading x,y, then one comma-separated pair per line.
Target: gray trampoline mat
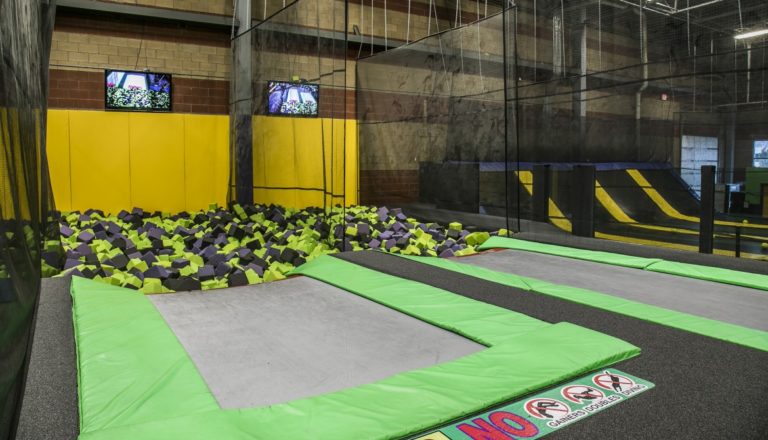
x,y
272,343
723,302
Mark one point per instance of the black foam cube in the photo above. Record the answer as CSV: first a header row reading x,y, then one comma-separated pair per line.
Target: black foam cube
x,y
180,263
237,278
216,259
288,255
156,272
253,245
119,261
182,284
206,273
66,231
222,270
85,236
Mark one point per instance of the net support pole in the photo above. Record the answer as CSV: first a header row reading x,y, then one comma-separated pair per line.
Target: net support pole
x,y
241,138
707,225
583,200
540,198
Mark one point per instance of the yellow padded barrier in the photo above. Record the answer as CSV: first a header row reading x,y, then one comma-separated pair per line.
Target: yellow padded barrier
x,y
157,161
206,154
99,154
118,160
288,160
58,157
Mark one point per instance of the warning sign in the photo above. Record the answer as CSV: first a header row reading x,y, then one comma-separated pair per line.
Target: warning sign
x,y
546,408
548,411
613,382
580,393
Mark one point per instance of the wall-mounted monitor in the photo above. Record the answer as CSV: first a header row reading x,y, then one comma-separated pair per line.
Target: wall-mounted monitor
x,y
137,91
292,99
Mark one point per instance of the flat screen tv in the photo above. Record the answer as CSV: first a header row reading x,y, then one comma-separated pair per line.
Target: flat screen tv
x,y
137,91
292,99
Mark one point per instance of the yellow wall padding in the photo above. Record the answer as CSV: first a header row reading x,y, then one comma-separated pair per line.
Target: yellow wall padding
x,y
157,161
57,149
206,152
99,153
118,160
288,160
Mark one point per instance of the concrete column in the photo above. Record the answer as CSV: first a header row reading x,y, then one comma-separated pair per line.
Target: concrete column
x,y
241,107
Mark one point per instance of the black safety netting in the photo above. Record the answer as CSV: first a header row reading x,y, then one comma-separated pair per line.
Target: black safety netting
x,y
432,123
300,49
25,204
613,106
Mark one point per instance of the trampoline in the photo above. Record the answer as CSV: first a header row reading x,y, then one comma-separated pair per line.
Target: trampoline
x,y
373,345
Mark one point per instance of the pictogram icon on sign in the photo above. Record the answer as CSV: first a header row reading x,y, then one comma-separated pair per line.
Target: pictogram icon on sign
x,y
546,408
613,382
580,393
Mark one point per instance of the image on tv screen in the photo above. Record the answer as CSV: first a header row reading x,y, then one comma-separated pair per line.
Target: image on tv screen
x,y
126,90
292,99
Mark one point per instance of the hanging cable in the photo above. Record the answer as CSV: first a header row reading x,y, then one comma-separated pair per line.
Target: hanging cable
x,y
408,25
333,110
141,44
344,148
322,126
429,19
479,49
762,75
386,43
461,43
688,24
535,41
711,67
371,26
456,15
562,34
599,35
362,28
234,19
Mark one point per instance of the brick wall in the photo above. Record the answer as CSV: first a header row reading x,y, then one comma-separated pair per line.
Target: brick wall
x,y
77,89
382,187
85,43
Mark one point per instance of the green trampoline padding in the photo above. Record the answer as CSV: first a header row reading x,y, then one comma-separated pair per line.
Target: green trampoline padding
x,y
695,324
706,273
136,381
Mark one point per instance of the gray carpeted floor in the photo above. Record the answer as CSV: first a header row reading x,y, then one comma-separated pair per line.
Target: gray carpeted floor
x,y
723,302
705,388
49,408
637,250
271,343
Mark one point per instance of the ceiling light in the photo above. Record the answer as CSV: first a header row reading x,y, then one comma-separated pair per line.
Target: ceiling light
x,y
751,34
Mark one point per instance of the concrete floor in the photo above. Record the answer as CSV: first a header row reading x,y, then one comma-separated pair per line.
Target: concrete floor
x,y
272,343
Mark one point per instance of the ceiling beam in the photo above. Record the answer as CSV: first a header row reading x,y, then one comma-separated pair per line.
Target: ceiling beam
x,y
149,12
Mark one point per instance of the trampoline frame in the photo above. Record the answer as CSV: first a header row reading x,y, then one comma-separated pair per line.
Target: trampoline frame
x,y
135,383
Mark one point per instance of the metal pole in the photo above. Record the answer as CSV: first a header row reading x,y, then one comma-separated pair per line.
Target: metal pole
x,y
707,222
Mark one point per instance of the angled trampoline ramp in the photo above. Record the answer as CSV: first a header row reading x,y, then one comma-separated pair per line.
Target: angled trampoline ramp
x,y
343,352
